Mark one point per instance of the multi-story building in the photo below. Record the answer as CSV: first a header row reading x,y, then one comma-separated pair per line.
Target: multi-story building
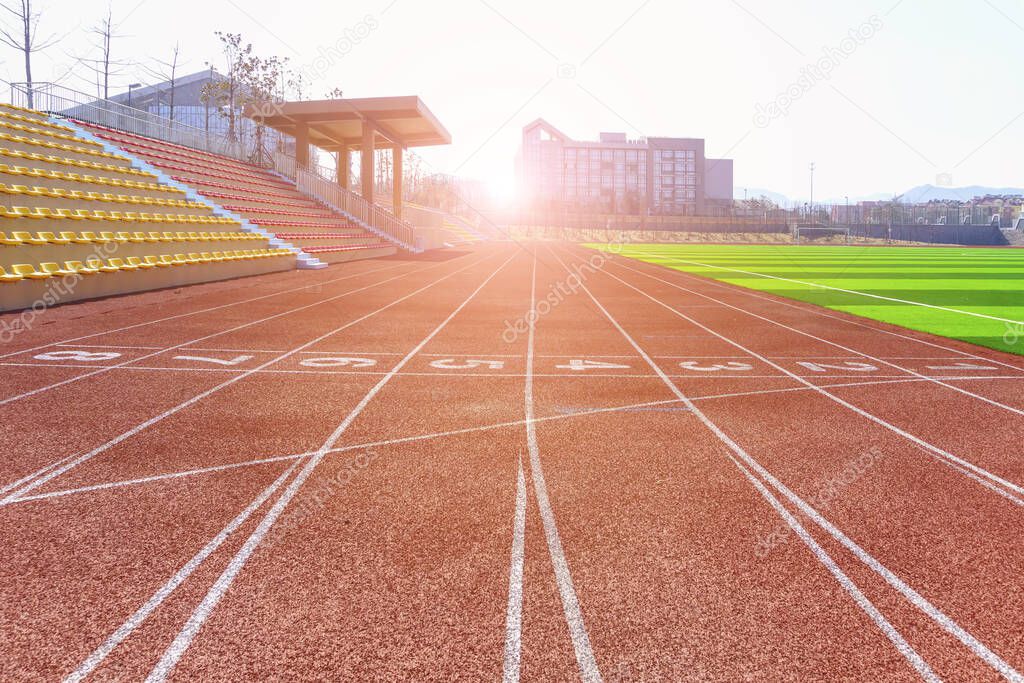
x,y
657,176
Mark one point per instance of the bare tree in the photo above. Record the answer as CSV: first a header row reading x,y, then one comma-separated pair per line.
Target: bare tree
x,y
104,66
167,73
24,37
334,94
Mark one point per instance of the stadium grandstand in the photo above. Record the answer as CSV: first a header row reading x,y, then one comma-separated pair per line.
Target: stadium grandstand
x,y
110,199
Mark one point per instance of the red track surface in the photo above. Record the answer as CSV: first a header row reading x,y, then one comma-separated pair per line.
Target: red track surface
x,y
467,500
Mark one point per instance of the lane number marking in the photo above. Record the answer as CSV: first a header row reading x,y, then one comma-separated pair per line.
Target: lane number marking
x,y
85,356
468,364
580,365
731,366
237,360
338,362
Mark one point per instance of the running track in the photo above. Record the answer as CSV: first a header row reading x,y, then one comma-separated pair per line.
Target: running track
x,y
372,472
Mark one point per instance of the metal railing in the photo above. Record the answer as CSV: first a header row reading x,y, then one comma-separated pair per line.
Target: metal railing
x,y
372,215
64,102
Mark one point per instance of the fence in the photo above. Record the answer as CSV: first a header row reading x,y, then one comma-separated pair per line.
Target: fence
x,y
248,145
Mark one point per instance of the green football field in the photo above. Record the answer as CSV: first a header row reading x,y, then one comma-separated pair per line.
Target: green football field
x,y
976,295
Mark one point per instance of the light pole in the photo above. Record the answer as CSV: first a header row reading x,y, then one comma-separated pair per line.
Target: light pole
x,y
812,190
132,86
847,209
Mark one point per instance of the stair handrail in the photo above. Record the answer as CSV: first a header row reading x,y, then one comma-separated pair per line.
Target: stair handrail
x,y
369,214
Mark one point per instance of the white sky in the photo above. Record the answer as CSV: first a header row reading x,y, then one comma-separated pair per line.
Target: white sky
x,y
933,90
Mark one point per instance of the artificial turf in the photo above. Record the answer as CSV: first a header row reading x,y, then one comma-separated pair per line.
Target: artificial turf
x,y
988,282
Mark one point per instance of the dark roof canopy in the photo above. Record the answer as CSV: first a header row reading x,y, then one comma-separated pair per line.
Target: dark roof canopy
x,y
337,124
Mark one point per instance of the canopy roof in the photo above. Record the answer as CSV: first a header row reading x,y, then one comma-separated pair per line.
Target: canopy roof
x,y
337,124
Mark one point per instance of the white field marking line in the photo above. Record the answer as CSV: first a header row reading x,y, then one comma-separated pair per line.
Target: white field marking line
x,y
514,610
939,617
183,640
506,375
991,480
845,291
435,435
43,476
140,615
890,631
570,603
960,390
28,477
818,311
191,313
102,369
848,584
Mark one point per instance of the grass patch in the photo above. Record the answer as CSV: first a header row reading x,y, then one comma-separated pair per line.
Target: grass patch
x,y
940,290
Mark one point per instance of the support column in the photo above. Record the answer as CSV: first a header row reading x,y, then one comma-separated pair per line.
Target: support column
x,y
396,180
344,167
302,145
366,165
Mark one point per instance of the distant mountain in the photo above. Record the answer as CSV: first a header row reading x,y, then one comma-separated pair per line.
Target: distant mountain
x,y
926,193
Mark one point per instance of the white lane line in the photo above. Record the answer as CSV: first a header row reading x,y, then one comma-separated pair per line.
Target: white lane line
x,y
960,390
124,630
107,368
840,289
516,375
514,610
512,375
426,437
15,484
43,476
933,612
570,603
1007,489
183,640
848,319
894,636
190,313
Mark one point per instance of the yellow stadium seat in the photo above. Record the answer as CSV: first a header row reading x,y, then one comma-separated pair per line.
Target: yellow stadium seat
x,y
55,270
111,237
98,265
50,238
25,238
92,238
21,212
9,277
11,241
70,237
139,263
207,256
80,268
180,260
156,261
29,271
120,264
195,258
